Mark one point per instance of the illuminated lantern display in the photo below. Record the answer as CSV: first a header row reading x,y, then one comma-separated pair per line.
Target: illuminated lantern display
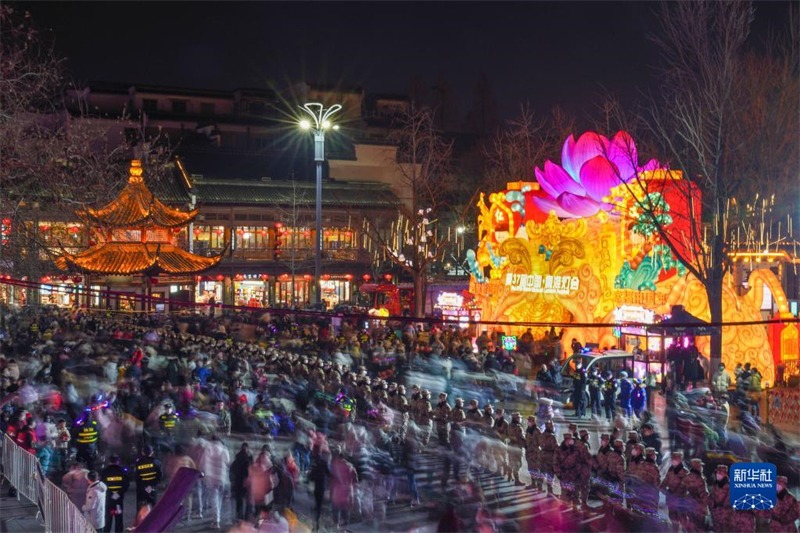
x,y
264,277
574,248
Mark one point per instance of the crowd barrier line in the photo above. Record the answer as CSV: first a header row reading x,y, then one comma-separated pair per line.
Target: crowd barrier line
x,y
24,472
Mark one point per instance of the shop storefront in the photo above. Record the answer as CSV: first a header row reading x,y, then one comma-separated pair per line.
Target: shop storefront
x,y
336,290
251,290
61,291
208,287
291,291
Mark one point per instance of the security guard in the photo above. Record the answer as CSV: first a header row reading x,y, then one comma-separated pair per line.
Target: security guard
x,y
117,480
87,437
148,476
167,422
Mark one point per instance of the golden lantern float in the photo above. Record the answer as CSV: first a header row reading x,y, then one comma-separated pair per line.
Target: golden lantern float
x,y
572,248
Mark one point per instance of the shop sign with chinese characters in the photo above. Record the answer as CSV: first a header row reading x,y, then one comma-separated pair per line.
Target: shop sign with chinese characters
x,y
542,284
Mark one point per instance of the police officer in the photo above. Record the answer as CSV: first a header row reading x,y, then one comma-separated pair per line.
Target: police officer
x,y
547,454
168,422
595,382
532,435
695,490
579,389
87,437
148,476
441,417
516,444
117,480
609,395
671,485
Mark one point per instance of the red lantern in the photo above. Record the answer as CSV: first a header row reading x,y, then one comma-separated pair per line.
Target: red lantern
x,y
262,232
63,277
284,276
198,279
240,232
219,231
348,234
77,279
6,221
74,229
197,232
307,277
366,277
307,233
278,225
348,277
264,277
238,277
220,277
44,227
45,279
176,230
326,277
154,281
326,233
388,278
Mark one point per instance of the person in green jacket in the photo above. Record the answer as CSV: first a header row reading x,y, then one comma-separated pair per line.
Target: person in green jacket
x,y
755,392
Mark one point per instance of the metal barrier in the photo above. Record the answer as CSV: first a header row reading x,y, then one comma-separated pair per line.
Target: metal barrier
x,y
24,473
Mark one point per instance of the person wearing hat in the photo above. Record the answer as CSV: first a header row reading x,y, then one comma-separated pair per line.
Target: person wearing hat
x,y
117,481
600,462
499,448
719,501
615,470
584,468
516,445
532,437
633,439
441,418
473,414
625,393
650,476
579,380
566,466
639,398
595,386
695,491
785,513
671,486
167,422
573,428
651,439
148,475
423,416
609,395
547,454
633,479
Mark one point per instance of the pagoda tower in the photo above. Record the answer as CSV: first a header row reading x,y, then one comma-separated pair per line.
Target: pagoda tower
x,y
137,235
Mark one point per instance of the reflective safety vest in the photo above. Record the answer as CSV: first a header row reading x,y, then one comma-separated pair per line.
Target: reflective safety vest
x,y
116,478
88,434
148,471
168,421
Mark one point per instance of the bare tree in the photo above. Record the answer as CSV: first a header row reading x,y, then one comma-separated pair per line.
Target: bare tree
x,y
50,160
292,211
717,100
516,150
413,240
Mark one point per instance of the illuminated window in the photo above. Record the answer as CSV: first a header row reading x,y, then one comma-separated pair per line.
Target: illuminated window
x,y
252,237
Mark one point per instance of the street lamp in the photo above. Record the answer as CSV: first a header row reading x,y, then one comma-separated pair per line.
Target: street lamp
x,y
319,123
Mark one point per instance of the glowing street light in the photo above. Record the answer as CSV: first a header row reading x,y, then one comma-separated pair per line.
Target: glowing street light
x,y
319,123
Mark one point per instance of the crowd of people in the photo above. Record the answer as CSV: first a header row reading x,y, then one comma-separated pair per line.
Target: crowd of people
x,y
91,394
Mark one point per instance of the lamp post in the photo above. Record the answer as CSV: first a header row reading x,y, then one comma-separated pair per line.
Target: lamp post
x,y
319,123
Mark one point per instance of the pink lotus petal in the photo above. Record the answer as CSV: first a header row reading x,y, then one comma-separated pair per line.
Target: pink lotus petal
x,y
554,181
578,206
598,177
653,164
573,156
622,152
546,205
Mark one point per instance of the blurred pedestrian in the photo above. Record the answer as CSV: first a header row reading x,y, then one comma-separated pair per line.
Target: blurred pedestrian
x,y
94,506
239,470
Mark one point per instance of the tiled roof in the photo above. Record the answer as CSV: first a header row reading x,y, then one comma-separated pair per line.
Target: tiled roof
x,y
302,193
135,257
136,206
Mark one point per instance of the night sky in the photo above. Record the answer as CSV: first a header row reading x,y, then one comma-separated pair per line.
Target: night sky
x,y
545,53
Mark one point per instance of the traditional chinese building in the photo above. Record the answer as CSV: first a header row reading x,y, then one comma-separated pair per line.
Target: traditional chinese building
x,y
134,249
